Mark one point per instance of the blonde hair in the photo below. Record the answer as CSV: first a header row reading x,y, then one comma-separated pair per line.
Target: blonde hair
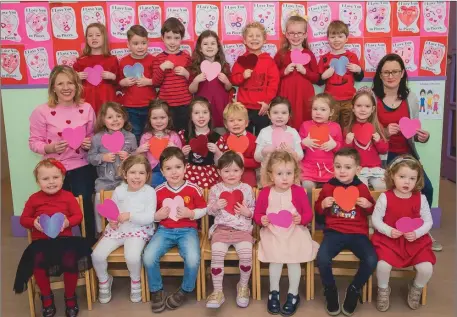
x,y
133,160
254,25
49,162
285,46
408,161
337,27
74,78
235,109
118,108
278,156
327,98
105,47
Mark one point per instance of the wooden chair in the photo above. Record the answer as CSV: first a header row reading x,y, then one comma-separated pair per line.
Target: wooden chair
x,y
84,279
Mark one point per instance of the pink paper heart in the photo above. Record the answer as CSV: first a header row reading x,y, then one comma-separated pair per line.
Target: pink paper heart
x,y
173,204
210,69
74,136
407,224
108,209
94,74
282,219
300,58
113,142
280,136
409,127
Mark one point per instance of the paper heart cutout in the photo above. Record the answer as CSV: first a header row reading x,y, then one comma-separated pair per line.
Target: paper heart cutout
x,y
406,52
280,136
346,197
363,132
122,20
108,209
300,58
199,145
37,61
9,25
74,136
9,62
113,142
408,14
374,55
339,64
210,69
94,74
407,224
52,225
281,219
37,22
173,204
157,145
238,143
320,133
433,55
135,71
377,14
320,20
409,127
67,60
63,21
248,62
232,199
150,19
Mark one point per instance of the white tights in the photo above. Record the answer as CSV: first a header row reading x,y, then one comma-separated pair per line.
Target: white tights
x,y
294,270
424,272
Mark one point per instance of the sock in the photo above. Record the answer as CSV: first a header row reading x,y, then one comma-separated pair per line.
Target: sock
x,y
70,280
42,280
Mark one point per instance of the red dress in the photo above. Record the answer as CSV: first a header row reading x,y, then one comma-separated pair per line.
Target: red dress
x,y
400,252
397,143
96,96
298,88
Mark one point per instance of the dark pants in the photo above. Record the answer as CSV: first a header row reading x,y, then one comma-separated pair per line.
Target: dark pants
x,y
138,117
80,181
257,122
428,188
334,242
180,116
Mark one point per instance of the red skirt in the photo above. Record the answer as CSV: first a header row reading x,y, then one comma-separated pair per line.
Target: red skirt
x,y
204,176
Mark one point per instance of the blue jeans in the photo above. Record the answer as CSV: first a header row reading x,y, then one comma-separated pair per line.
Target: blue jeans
x,y
138,118
428,187
188,243
157,177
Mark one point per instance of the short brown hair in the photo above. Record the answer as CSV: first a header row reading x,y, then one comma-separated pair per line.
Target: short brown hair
x,y
170,152
327,98
137,30
159,104
174,25
255,25
278,100
234,109
337,27
133,160
348,152
118,108
409,161
74,78
228,158
279,156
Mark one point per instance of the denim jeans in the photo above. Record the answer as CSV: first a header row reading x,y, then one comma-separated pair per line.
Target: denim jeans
x,y
138,118
188,243
334,242
157,177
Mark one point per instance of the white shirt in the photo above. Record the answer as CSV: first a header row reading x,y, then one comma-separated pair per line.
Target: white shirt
x,y
265,138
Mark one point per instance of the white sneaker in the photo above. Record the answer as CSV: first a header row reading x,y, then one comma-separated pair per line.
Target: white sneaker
x,y
135,292
436,246
104,291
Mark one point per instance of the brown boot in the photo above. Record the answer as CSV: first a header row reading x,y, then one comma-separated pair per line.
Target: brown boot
x,y
175,299
157,301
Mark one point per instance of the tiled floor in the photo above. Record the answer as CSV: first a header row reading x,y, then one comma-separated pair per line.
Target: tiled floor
x,y
441,295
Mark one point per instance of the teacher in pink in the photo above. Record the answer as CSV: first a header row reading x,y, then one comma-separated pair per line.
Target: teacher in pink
x,y
66,109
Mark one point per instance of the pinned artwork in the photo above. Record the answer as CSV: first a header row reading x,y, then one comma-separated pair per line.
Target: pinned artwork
x,y
435,17
319,17
121,18
406,49
93,14
206,18
378,16
288,10
319,48
182,13
9,26
235,16
408,16
67,58
150,17
270,48
232,52
352,15
431,95
355,48
64,23
37,60
265,13
37,23
433,54
373,52
11,64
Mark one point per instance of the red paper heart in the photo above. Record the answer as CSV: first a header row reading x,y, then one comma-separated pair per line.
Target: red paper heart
x,y
248,62
346,197
238,143
245,268
216,271
199,145
320,133
156,146
232,199
363,132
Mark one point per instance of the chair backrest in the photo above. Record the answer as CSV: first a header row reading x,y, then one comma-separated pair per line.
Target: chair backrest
x,y
105,194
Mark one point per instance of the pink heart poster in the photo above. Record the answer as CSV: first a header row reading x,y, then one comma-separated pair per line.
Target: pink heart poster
x,y
235,16
408,48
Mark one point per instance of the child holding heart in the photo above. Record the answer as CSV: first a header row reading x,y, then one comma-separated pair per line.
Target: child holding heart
x,y
398,247
231,202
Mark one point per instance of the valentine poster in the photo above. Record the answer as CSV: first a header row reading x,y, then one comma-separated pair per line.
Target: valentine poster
x,y
352,15
155,48
266,13
181,11
64,23
9,30
120,52
11,65
431,95
378,17
408,48
186,48
270,48
435,17
37,22
67,58
319,17
355,45
433,57
232,51
319,48
206,18
290,9
38,65
150,17
373,52
407,17
235,16
122,17
93,14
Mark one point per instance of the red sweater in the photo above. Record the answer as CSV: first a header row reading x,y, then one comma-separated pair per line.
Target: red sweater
x,y
397,143
135,96
174,89
41,203
340,87
353,222
261,86
96,96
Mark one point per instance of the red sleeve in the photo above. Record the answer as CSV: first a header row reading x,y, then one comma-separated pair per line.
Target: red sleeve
x,y
249,161
303,133
321,67
353,59
365,192
237,77
121,70
306,212
325,192
150,66
261,206
199,201
75,215
28,214
158,73
77,66
272,82
312,72
281,67
338,137
382,146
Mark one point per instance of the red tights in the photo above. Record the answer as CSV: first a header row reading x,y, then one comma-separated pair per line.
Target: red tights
x,y
42,280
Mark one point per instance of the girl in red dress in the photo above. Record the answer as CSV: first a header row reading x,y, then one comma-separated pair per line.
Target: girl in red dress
x,y
96,53
297,79
404,180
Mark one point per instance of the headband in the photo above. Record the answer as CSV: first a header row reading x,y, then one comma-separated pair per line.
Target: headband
x,y
368,90
58,164
401,159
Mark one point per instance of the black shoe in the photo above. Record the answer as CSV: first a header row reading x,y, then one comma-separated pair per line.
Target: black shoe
x,y
49,311
158,301
289,307
350,302
332,300
71,311
274,306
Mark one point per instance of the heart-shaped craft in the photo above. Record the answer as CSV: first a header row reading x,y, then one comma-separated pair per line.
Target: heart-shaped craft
x,y
52,225
108,209
408,14
280,136
74,136
320,133
300,58
113,142
248,62
173,204
94,74
232,199
199,145
363,132
157,145
407,224
346,197
238,143
409,127
135,71
339,64
210,69
282,219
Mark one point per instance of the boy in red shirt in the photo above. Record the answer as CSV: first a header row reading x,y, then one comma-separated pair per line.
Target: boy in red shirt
x,y
257,77
339,69
135,78
345,230
171,74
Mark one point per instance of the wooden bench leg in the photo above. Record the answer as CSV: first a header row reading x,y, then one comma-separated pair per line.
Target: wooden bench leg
x,y
253,275
312,279
308,281
424,295
258,278
203,277
364,293
370,288
143,285
93,285
199,283
31,294
88,289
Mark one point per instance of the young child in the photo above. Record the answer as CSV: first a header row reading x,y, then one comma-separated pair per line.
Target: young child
x,y
278,245
257,84
159,126
297,79
405,179
340,85
200,167
317,165
429,101
232,226
111,118
96,52
135,78
209,48
422,101
170,72
364,112
345,230
436,99
136,201
177,227
46,257
236,121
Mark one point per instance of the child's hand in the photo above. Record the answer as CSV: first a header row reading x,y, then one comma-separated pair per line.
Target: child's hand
x,y
329,145
247,73
113,224
128,82
241,209
328,73
86,144
123,155
395,234
186,149
109,157
328,202
363,202
108,75
223,78
143,81
221,203
301,69
181,71
184,212
354,68
289,69
410,236
166,65
65,224
376,137
56,147
200,78
123,217
422,135
311,143
82,75
162,213
285,147
393,128
265,221
143,148
36,224
264,108
350,138
212,147
297,219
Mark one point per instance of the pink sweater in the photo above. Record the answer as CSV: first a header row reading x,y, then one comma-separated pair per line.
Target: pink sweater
x,y
174,140
46,125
